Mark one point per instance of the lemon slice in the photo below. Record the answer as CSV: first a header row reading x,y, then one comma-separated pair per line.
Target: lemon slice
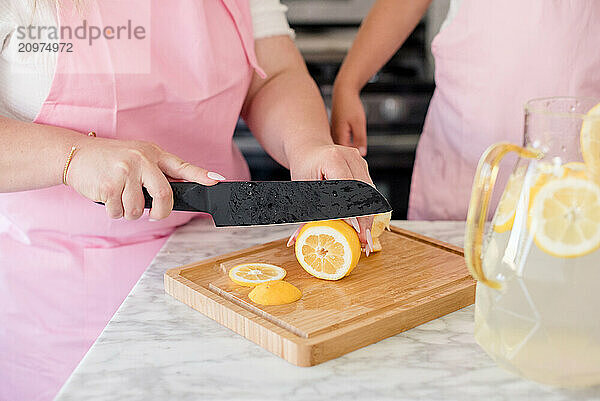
x,y
251,274
545,173
575,169
328,249
505,214
590,141
548,172
275,293
565,217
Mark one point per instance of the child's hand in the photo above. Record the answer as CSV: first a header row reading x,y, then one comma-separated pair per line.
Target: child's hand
x,y
348,120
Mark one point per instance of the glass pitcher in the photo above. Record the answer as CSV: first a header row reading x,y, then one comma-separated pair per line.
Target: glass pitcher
x,y
537,308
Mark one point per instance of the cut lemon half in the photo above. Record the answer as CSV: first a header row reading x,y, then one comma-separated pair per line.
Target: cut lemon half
x,y
252,274
565,217
275,293
505,214
590,141
328,249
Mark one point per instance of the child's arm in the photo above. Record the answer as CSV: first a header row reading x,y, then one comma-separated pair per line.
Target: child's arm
x,y
381,34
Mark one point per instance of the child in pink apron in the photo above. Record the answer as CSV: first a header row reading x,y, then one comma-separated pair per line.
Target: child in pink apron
x,y
491,58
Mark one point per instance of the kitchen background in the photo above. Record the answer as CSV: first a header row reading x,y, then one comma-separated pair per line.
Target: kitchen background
x,y
395,99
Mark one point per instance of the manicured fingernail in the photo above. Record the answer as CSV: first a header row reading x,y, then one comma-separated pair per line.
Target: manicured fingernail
x,y
293,237
215,176
354,222
367,252
152,220
362,150
369,239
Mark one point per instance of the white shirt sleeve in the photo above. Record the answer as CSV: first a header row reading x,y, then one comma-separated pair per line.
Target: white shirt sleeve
x,y
5,26
452,11
268,19
25,77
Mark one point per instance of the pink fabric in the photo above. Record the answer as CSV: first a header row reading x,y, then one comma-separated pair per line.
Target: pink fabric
x,y
65,267
491,59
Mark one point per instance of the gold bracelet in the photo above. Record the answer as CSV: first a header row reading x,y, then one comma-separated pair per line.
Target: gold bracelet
x,y
70,157
68,163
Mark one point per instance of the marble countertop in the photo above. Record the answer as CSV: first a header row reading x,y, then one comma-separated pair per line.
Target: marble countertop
x,y
156,348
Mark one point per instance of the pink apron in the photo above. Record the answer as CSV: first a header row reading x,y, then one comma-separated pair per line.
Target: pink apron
x,y
65,267
491,59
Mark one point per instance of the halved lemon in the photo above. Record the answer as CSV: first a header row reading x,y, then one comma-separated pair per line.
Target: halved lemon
x,y
275,293
590,141
505,214
252,274
328,249
565,217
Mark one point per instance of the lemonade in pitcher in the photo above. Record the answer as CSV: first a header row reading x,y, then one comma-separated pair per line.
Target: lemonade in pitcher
x,y
537,309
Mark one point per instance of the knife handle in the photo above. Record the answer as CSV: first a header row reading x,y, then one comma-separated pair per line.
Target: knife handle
x,y
148,199
187,197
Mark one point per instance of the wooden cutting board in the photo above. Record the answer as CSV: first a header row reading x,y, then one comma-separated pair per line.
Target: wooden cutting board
x,y
414,279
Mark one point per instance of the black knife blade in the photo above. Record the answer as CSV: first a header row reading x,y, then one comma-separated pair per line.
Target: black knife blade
x,y
249,203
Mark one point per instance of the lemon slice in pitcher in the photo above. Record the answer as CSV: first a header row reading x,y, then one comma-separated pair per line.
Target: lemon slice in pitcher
x,y
590,141
547,172
565,217
505,214
328,249
575,169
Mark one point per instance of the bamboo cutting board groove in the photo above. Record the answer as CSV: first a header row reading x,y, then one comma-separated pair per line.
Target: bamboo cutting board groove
x,y
414,279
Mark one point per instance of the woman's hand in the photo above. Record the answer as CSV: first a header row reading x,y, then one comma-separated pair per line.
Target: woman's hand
x,y
330,162
348,119
114,172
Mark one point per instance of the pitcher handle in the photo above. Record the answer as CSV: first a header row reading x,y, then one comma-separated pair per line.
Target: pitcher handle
x,y
483,186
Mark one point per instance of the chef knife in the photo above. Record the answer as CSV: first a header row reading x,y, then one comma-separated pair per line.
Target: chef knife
x,y
248,203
